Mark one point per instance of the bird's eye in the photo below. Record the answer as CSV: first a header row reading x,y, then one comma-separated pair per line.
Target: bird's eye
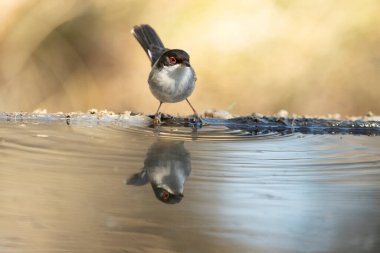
x,y
165,195
172,60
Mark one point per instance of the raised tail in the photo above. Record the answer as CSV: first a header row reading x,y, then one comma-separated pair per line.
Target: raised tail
x,y
149,41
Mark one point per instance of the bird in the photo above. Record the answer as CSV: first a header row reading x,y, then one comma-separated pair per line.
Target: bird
x,y
171,79
167,165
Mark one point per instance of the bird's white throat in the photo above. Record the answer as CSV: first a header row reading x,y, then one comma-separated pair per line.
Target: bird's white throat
x,y
172,83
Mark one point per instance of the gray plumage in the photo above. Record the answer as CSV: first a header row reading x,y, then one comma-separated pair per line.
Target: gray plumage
x,y
167,166
172,79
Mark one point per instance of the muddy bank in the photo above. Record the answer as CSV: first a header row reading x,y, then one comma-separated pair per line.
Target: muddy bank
x,y
255,124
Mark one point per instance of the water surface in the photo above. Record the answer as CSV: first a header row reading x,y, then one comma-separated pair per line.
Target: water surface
x,y
82,188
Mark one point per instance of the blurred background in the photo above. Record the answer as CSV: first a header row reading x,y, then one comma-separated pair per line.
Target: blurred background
x,y
307,57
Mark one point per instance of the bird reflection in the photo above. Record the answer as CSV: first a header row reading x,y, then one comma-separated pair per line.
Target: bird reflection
x,y
167,165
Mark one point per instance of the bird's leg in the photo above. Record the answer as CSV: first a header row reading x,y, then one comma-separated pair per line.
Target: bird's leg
x,y
195,112
197,117
157,116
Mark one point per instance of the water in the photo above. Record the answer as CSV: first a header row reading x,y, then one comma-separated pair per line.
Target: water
x,y
87,188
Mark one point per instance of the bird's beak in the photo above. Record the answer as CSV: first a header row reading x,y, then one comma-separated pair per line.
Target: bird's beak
x,y
186,63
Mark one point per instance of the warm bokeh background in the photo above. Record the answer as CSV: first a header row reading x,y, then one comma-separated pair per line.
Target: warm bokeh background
x,y
308,57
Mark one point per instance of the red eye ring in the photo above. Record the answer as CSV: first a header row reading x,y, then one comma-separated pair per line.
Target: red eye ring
x,y
172,60
165,195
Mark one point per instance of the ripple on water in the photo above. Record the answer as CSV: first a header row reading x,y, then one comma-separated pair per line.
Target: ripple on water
x,y
207,133
270,191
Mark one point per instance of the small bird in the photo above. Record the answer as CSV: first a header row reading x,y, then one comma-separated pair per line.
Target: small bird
x,y
167,165
172,79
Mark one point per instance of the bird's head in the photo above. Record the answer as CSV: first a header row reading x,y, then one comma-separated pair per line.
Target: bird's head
x,y
167,196
174,57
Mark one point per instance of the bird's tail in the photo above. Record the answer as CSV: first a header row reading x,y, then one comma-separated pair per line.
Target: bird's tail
x,y
149,41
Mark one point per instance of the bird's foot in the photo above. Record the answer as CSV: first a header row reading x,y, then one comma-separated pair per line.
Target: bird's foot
x,y
196,121
157,120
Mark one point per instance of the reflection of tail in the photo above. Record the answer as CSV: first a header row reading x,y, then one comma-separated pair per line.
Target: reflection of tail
x,y
138,179
149,41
